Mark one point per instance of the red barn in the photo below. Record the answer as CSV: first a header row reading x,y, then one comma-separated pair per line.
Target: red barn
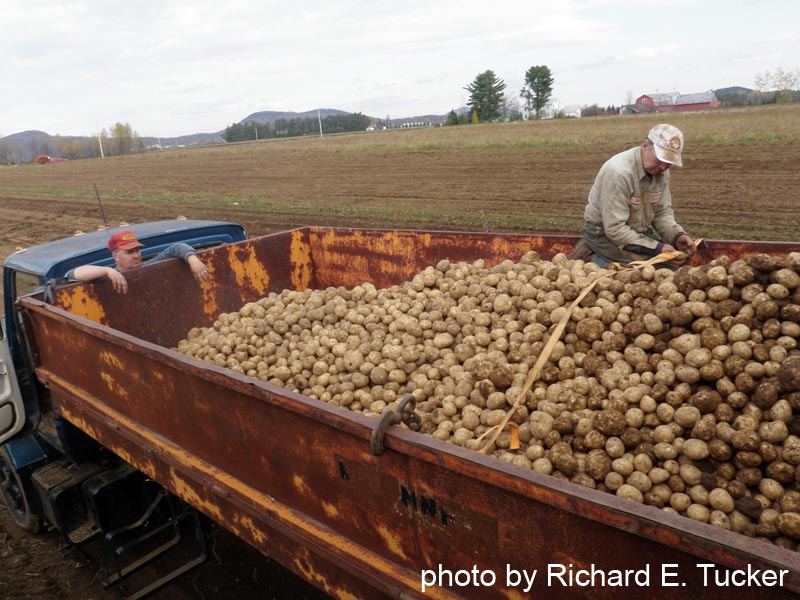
x,y
675,102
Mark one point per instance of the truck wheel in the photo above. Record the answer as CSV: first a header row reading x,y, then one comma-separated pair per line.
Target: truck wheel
x,y
16,497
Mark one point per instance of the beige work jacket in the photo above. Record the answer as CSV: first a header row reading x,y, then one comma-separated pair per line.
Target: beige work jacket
x,y
626,202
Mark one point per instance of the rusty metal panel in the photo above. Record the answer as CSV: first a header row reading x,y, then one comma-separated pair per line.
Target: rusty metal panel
x,y
312,257
164,301
350,257
295,477
258,458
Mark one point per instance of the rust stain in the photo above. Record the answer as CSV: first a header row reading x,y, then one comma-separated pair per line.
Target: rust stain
x,y
210,305
78,421
301,485
113,386
303,566
110,359
300,259
79,301
248,270
256,533
392,544
185,490
330,510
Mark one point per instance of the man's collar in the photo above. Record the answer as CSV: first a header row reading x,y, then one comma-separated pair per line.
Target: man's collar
x,y
639,166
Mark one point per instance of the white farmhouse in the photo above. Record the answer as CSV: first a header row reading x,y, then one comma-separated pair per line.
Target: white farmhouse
x,y
552,108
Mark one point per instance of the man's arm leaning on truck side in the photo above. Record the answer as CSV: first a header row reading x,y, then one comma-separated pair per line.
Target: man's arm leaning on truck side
x,y
126,250
189,255
88,273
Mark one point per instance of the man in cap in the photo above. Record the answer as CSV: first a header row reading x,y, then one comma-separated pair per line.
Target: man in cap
x,y
629,213
127,253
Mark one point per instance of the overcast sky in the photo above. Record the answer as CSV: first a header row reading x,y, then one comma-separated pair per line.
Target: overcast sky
x,y
174,67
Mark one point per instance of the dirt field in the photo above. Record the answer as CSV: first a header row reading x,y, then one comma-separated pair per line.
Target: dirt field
x,y
740,180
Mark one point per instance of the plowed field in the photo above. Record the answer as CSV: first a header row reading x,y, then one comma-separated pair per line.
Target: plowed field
x,y
505,177
740,180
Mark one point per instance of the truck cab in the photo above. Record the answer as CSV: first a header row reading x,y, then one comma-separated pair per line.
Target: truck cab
x,y
31,436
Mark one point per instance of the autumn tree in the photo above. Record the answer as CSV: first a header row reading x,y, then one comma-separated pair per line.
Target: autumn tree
x,y
780,81
511,108
486,96
122,140
538,88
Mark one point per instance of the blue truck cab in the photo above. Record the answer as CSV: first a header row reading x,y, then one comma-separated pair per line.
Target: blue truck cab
x,y
27,442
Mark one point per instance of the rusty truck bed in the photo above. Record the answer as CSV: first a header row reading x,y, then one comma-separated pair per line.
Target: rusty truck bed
x,y
295,477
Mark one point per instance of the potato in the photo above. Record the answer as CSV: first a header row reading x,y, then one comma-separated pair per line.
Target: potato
x,y
658,372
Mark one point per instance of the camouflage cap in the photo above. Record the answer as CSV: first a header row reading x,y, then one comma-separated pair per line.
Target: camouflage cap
x,y
667,143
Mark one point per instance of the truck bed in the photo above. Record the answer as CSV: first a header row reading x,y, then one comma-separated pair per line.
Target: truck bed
x,y
295,477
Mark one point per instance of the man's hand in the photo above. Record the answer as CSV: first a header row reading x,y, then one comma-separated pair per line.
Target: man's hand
x,y
118,280
667,249
685,243
199,270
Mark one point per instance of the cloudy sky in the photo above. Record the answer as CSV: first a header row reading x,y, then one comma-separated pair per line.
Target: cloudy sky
x,y
174,67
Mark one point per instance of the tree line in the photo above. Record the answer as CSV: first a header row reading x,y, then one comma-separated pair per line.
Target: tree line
x,y
283,128
117,140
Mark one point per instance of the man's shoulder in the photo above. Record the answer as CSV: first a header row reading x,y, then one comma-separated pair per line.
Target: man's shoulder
x,y
623,160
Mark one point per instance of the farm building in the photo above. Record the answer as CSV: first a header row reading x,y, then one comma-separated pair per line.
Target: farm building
x,y
553,108
675,102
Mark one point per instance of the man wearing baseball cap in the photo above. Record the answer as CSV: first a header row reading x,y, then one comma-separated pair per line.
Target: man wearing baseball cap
x,y
629,213
127,252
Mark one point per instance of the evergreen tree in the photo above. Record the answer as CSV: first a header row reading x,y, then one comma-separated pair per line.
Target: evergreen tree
x,y
486,96
538,88
452,118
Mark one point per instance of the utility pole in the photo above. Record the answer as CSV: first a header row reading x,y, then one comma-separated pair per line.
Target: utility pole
x,y
99,141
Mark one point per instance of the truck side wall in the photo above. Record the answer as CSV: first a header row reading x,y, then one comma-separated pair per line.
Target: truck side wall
x,y
295,477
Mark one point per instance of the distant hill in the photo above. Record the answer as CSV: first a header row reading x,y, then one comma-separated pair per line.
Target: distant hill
x,y
25,137
24,146
742,96
270,116
734,89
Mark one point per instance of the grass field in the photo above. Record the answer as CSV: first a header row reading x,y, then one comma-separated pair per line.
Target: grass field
x,y
740,179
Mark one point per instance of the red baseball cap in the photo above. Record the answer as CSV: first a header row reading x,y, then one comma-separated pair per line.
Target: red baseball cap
x,y
125,240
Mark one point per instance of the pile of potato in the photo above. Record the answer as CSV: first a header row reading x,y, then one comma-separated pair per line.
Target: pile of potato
x,y
675,389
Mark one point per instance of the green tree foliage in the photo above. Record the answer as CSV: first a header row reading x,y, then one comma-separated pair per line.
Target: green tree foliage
x,y
452,118
538,88
486,96
122,140
243,132
240,132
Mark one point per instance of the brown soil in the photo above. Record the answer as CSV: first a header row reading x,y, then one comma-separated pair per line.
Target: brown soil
x,y
37,567
732,190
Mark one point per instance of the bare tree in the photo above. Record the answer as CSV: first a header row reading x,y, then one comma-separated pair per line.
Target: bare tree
x,y
782,82
629,97
511,108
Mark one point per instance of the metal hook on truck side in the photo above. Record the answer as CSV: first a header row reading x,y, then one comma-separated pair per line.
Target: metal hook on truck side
x,y
404,414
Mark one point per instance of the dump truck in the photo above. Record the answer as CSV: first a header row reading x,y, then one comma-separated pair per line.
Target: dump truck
x,y
358,506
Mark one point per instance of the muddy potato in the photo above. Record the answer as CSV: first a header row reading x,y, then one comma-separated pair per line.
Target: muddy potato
x,y
656,371
788,524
